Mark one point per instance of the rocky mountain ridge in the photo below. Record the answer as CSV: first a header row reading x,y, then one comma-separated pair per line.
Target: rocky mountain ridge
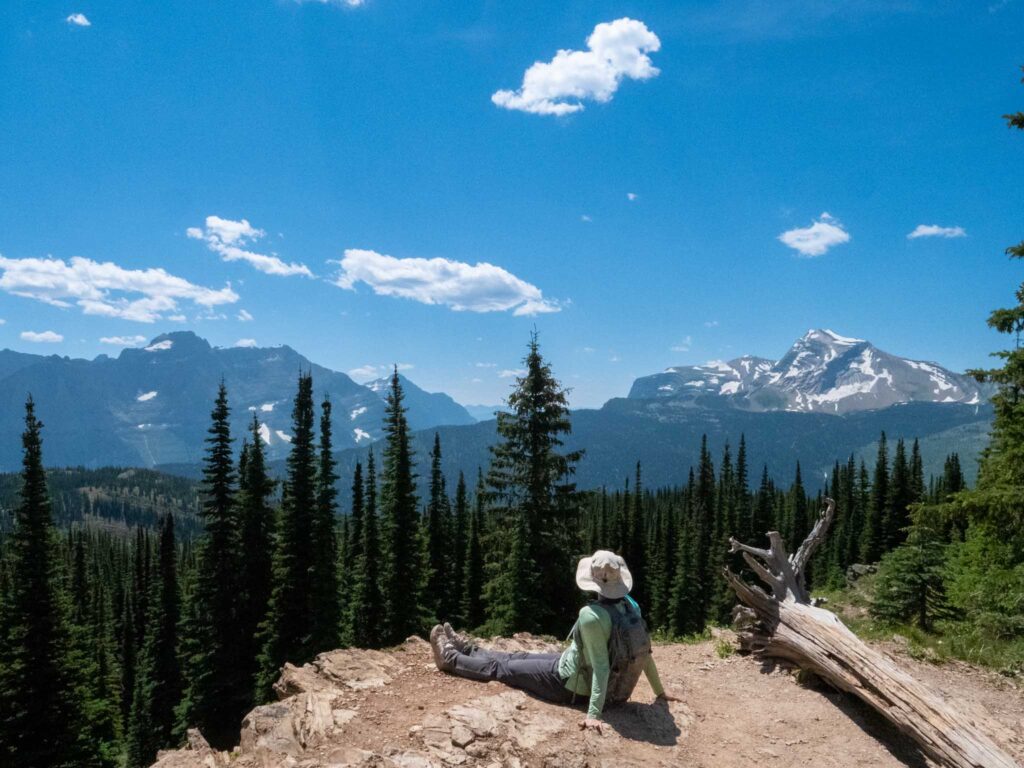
x,y
822,372
150,406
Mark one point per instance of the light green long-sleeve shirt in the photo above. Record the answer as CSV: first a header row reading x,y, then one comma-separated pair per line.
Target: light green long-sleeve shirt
x,y
595,632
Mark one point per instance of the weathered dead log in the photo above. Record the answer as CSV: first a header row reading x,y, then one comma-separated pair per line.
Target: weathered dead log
x,y
783,624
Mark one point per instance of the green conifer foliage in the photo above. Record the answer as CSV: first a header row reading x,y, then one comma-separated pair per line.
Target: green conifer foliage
x,y
286,631
325,606
401,543
42,707
366,605
472,609
257,523
216,689
535,506
158,686
911,586
872,540
440,579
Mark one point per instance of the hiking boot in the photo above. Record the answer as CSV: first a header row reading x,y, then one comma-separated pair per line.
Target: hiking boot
x,y
462,643
442,649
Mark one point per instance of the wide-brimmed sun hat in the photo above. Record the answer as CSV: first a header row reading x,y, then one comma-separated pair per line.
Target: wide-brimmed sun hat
x,y
606,573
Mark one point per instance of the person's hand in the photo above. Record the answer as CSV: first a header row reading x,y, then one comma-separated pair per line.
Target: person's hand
x,y
589,723
667,697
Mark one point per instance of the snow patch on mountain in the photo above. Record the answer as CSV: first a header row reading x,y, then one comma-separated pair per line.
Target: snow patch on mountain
x,y
264,432
822,372
283,435
360,435
146,397
160,346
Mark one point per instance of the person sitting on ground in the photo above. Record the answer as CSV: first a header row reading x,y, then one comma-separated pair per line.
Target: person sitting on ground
x,y
609,649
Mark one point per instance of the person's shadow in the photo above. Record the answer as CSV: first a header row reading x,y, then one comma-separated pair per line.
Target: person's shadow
x,y
653,723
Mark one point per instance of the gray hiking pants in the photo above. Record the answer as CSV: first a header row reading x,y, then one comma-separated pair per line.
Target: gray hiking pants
x,y
535,673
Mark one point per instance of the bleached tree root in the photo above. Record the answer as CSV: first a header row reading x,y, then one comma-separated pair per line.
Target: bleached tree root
x,y
784,625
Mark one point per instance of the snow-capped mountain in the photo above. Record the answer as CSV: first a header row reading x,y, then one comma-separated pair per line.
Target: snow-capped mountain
x,y
822,372
151,406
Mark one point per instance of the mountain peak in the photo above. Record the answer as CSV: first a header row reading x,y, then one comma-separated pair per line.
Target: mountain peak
x,y
179,341
822,372
829,336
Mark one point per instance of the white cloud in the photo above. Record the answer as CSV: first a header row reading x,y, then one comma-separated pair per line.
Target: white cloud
x,y
364,372
683,346
245,316
177,318
368,372
616,50
246,343
463,287
46,337
710,323
585,217
79,20
106,289
486,365
123,341
816,239
631,196
934,230
226,238
2,321
511,373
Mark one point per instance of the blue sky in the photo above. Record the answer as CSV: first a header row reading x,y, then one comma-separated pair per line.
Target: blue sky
x,y
326,169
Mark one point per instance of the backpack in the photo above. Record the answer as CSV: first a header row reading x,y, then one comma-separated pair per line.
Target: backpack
x,y
629,648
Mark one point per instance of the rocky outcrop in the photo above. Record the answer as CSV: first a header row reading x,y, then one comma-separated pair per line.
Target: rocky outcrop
x,y
326,707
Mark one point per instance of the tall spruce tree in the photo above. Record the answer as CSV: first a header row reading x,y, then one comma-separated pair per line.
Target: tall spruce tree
x,y
325,607
457,548
401,549
366,627
535,505
42,707
438,592
286,631
872,541
472,609
217,691
158,684
257,524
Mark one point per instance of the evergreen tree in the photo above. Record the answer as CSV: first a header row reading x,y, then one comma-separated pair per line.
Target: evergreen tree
x,y
217,691
401,551
366,627
158,686
438,591
900,497
535,505
41,702
257,523
286,631
325,606
872,541
910,585
473,566
457,550
353,562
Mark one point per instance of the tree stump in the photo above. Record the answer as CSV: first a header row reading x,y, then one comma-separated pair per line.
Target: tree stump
x,y
784,624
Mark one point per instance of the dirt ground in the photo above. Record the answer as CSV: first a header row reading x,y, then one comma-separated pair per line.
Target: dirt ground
x,y
734,713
